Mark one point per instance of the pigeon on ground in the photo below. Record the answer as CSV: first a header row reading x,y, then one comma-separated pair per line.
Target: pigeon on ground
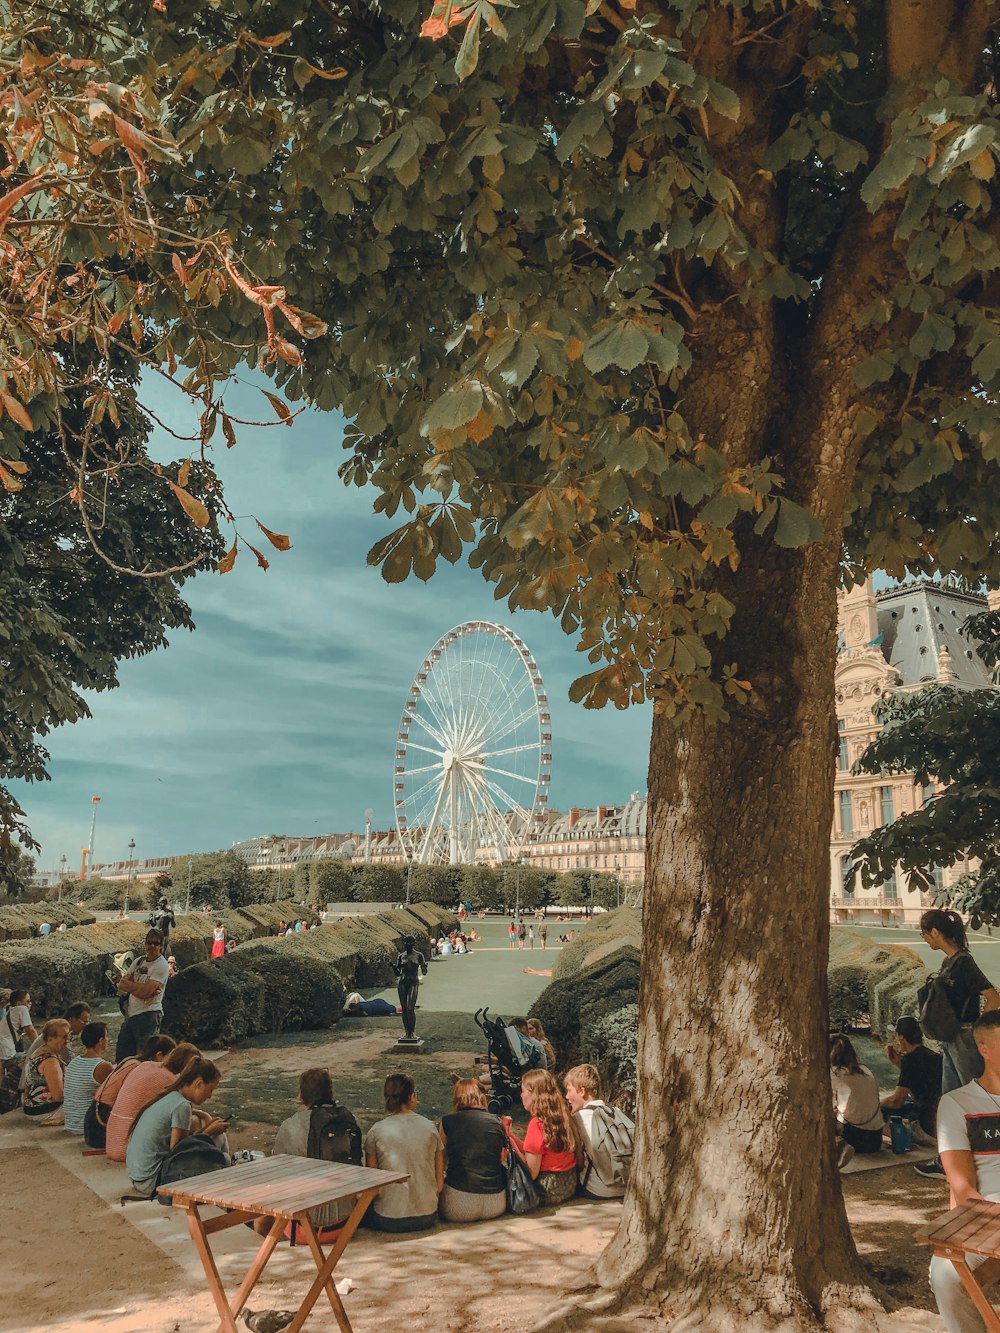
x,y
268,1321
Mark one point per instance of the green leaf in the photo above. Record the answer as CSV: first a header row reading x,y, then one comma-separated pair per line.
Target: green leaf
x,y
456,407
796,526
644,68
468,53
622,345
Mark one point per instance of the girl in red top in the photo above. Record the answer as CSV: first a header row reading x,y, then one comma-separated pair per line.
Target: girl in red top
x,y
551,1148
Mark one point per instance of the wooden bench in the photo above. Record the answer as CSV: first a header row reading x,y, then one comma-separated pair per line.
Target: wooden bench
x,y
971,1228
285,1189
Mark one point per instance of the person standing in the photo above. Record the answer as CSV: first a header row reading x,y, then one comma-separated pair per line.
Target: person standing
x,y
522,931
543,933
16,1028
144,984
531,937
218,940
970,993
511,936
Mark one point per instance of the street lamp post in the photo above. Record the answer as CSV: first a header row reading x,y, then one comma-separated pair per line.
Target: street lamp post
x,y
409,876
131,862
62,873
189,885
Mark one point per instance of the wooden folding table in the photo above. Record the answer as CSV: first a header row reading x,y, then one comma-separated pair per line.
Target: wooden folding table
x,y
285,1189
971,1228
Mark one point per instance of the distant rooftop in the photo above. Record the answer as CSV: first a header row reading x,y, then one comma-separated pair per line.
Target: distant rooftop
x,y
918,621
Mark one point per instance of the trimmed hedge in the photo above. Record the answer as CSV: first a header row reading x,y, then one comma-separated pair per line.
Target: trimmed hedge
x,y
600,937
70,966
870,981
571,1009
21,920
296,982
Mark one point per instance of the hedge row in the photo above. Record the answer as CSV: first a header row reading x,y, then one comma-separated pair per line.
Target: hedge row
x,y
70,966
870,982
21,920
600,937
296,982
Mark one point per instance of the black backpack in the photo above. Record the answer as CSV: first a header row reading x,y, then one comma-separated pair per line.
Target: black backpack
x,y
334,1135
195,1155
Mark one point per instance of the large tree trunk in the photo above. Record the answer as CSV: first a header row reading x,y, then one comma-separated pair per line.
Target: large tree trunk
x,y
734,1217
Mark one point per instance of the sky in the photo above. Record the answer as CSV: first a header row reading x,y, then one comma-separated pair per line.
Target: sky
x,y
279,713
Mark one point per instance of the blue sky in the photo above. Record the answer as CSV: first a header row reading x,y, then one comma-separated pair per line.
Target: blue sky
x,y
279,713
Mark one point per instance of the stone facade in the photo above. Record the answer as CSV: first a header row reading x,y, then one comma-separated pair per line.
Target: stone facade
x,y
902,638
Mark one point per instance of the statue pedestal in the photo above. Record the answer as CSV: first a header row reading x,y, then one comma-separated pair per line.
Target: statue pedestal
x,y
410,1046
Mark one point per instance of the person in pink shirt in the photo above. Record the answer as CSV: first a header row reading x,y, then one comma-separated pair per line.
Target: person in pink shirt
x,y
142,1085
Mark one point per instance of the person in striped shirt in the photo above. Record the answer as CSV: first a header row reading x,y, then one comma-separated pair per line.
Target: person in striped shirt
x,y
84,1075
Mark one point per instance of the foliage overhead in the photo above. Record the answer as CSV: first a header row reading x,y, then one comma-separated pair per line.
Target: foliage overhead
x,y
546,233
947,735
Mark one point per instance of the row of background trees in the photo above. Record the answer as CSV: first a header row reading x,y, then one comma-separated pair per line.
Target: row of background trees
x,y
223,879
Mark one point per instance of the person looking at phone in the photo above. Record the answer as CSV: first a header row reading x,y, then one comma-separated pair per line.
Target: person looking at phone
x,y
165,1122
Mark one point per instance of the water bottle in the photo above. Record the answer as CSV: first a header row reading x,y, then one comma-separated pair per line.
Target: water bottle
x,y
901,1135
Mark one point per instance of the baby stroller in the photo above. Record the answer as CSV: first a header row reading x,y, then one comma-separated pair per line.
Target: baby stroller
x,y
505,1060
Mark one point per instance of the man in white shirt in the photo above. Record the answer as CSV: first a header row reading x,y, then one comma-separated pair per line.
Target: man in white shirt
x,y
144,984
968,1127
583,1092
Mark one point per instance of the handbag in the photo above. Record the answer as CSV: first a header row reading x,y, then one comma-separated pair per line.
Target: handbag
x,y
10,1085
522,1192
937,1014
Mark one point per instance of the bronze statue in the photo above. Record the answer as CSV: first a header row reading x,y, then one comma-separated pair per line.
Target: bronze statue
x,y
407,967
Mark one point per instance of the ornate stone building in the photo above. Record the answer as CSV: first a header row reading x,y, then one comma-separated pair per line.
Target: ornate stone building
x,y
903,638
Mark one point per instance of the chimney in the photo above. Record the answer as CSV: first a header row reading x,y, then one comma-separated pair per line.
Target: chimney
x,y
574,816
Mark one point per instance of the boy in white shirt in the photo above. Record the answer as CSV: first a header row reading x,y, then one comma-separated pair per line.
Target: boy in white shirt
x,y
968,1127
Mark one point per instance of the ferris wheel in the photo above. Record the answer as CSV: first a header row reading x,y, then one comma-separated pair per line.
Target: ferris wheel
x,y
474,749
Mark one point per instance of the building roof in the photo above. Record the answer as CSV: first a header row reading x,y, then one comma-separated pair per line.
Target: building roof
x,y
919,621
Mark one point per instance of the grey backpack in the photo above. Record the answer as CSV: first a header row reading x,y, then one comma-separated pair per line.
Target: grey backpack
x,y
612,1136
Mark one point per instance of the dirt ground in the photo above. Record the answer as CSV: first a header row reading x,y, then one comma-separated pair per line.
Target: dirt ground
x,y
72,1260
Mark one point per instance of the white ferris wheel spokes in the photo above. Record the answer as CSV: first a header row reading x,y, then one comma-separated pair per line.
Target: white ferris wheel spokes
x,y
474,749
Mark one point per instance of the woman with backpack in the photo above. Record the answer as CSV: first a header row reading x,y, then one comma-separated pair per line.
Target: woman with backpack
x,y
166,1122
475,1147
325,1130
551,1149
969,993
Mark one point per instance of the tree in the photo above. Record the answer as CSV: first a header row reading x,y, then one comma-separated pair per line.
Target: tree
x,y
99,283
379,884
948,735
433,884
17,870
333,881
221,879
483,887
675,315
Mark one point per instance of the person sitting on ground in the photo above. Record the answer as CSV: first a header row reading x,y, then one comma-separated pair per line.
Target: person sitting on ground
x,y
160,1127
172,965
143,1084
968,1128
531,1052
356,1007
551,1149
43,1083
537,1033
77,1015
583,1092
95,1121
144,984
919,1088
316,1094
475,1146
859,1120
16,1027
84,1075
404,1141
